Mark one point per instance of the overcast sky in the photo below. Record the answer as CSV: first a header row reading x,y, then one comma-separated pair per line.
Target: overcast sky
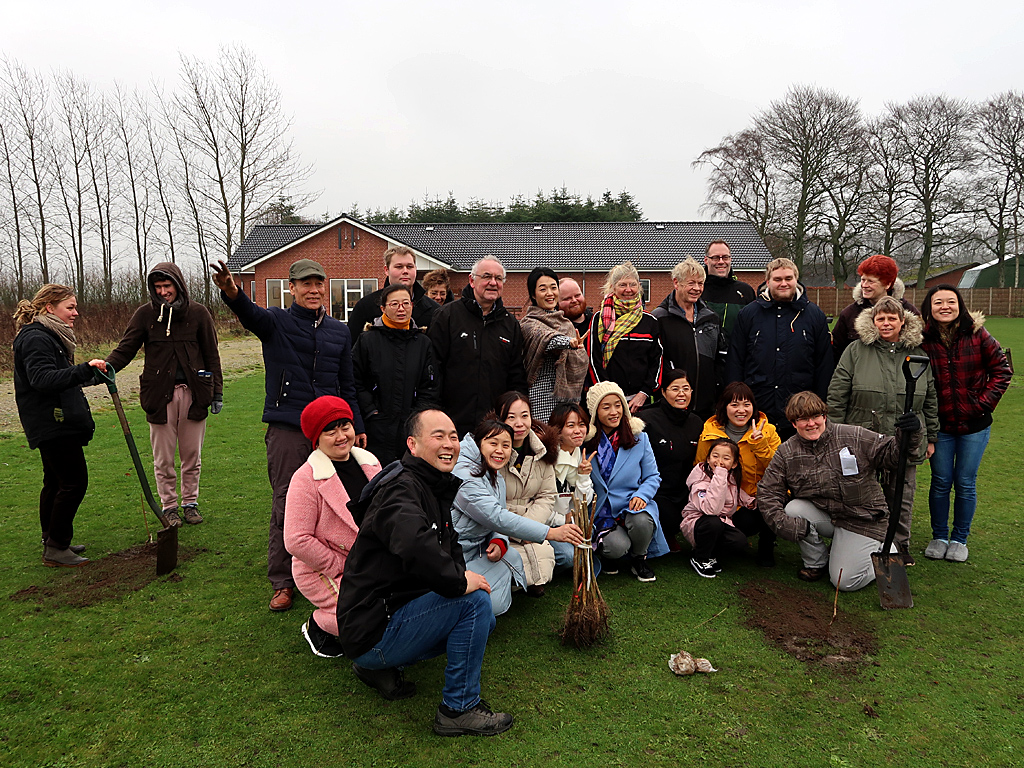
x,y
396,99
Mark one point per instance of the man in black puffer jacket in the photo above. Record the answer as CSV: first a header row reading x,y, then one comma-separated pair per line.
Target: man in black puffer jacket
x,y
307,354
724,293
479,347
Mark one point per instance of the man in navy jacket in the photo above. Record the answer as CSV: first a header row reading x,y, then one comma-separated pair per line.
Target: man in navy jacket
x,y
306,354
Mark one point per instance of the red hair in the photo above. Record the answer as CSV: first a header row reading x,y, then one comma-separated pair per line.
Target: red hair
x,y
882,267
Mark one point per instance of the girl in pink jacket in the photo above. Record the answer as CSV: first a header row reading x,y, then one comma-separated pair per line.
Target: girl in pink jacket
x,y
720,514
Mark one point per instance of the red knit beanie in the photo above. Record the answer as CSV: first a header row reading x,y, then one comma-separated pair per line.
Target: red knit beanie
x,y
322,412
882,267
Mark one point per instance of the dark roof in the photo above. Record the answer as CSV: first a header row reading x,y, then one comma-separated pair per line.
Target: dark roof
x,y
571,246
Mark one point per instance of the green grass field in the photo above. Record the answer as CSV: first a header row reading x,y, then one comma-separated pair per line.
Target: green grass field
x,y
197,671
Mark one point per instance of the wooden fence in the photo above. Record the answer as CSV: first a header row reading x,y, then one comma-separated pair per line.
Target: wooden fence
x,y
994,302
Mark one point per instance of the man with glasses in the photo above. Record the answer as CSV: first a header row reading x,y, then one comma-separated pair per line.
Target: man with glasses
x,y
724,293
823,482
478,346
400,269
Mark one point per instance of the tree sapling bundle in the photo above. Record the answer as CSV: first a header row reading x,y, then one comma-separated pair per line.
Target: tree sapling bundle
x,y
586,618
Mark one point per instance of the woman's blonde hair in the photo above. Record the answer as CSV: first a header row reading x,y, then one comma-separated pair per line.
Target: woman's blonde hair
x,y
51,293
619,271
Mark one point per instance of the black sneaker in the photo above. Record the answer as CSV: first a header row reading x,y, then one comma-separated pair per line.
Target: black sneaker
x,y
389,683
609,567
476,721
642,570
705,568
321,642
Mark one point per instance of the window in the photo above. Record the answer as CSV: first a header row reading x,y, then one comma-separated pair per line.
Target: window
x,y
252,290
345,294
645,286
278,294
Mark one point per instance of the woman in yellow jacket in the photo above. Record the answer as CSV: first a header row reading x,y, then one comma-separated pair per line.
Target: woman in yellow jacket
x,y
737,418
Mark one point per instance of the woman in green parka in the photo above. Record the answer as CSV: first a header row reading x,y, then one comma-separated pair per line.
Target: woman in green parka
x,y
868,389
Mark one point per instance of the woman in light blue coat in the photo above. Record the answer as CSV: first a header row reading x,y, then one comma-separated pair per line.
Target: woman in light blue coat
x,y
483,521
627,523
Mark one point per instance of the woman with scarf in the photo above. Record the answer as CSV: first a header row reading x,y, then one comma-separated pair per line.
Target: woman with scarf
x,y
54,413
556,363
627,526
623,342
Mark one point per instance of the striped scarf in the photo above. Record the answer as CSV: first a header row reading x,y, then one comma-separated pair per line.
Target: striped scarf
x,y
618,319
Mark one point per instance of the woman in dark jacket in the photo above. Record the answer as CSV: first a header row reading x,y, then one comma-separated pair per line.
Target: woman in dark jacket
x,y
54,413
393,365
971,374
674,431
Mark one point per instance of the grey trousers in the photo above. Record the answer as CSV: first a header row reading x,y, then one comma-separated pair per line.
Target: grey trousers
x,y
633,536
850,552
287,450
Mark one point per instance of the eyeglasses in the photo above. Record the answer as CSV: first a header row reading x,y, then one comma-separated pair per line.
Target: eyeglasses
x,y
487,277
676,389
718,258
398,304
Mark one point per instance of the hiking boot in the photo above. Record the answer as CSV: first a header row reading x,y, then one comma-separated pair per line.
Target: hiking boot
x,y
62,558
957,552
321,642
936,549
389,683
705,568
282,599
172,519
642,570
475,721
191,513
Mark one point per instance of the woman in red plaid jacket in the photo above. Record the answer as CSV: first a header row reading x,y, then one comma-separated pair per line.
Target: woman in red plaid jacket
x,y
971,373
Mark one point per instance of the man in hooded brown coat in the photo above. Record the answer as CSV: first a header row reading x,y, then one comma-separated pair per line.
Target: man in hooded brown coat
x,y
181,379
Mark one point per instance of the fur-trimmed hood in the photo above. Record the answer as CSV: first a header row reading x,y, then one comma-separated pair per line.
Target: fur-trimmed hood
x,y
596,394
911,335
897,291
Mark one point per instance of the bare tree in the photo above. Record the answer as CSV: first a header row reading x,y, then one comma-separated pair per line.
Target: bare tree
x,y
741,183
800,136
134,173
844,178
933,141
100,144
12,182
162,173
1000,138
890,207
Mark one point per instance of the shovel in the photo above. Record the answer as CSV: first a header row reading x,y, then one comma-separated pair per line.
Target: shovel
x,y
890,572
166,537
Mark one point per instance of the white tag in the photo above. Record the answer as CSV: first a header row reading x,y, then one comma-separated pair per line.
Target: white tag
x,y
848,462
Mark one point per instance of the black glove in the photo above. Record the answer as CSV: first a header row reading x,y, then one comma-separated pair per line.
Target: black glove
x,y
217,404
908,422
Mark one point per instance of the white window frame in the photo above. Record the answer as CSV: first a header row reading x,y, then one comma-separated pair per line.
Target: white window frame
x,y
286,294
645,288
352,289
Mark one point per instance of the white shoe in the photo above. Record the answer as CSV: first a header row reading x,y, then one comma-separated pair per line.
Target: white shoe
x,y
936,549
957,552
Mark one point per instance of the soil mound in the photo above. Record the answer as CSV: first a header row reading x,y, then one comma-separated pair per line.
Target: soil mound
x,y
106,578
797,621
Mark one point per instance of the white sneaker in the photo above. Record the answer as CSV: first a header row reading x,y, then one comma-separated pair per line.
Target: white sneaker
x,y
957,552
936,549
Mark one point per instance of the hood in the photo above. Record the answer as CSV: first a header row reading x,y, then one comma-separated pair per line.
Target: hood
x,y
911,335
979,320
764,298
167,270
671,307
717,281
897,291
469,458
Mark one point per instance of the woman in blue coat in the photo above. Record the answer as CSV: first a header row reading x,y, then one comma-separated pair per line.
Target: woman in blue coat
x,y
483,521
627,520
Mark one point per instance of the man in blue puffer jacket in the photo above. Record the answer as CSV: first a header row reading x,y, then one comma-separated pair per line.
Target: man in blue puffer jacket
x,y
780,345
306,354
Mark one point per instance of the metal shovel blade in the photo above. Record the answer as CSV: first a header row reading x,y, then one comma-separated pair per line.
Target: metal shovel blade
x,y
891,576
166,550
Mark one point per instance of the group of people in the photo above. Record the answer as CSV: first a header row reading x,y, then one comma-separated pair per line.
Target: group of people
x,y
425,459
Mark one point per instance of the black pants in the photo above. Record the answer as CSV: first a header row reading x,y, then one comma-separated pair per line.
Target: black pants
x,y
65,480
714,538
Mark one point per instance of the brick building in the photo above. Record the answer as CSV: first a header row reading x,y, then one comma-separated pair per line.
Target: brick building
x,y
352,253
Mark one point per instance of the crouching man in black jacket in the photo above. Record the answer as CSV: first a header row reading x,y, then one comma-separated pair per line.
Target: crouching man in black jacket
x,y
406,595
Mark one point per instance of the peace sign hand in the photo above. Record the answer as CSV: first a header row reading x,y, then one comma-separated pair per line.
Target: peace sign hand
x,y
585,465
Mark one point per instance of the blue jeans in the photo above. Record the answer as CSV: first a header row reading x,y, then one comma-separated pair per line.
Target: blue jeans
x,y
432,625
955,465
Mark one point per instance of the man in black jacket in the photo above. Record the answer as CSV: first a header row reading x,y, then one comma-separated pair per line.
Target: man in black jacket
x,y
479,347
406,595
724,293
399,267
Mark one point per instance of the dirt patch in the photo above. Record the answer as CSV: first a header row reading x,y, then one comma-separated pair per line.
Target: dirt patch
x,y
797,621
107,578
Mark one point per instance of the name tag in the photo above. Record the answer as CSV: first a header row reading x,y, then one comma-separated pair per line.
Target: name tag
x,y
848,462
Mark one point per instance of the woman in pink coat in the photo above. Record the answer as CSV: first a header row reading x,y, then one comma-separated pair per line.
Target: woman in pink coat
x,y
318,528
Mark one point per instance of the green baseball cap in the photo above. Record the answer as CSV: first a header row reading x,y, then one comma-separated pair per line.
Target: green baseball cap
x,y
304,268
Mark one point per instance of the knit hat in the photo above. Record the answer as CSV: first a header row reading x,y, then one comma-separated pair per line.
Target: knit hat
x,y
599,392
322,412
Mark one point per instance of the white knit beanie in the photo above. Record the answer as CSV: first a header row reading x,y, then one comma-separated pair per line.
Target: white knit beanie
x,y
599,392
